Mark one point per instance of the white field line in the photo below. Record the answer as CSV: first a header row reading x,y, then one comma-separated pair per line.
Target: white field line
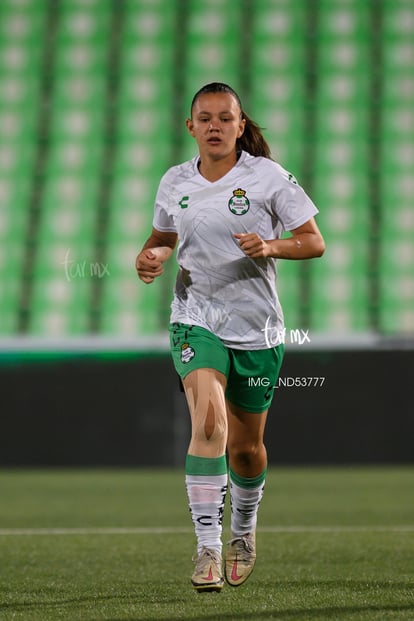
x,y
171,530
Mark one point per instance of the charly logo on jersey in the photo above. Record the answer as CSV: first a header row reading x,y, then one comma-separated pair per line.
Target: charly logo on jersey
x,y
187,353
184,202
239,204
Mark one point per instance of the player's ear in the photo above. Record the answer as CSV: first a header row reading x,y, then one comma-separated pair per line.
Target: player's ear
x,y
190,126
242,125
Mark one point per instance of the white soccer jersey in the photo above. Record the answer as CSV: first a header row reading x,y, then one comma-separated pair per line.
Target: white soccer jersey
x,y
218,287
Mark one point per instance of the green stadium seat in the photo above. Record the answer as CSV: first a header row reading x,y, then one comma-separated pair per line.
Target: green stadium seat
x,y
146,141
213,44
396,235
277,86
343,20
132,307
212,54
289,291
60,309
65,258
11,270
330,310
340,290
12,235
86,22
144,134
397,318
397,285
60,302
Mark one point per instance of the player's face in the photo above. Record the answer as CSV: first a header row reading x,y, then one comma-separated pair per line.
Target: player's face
x,y
216,124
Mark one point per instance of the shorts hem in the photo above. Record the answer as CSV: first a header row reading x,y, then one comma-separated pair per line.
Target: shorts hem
x,y
249,408
200,365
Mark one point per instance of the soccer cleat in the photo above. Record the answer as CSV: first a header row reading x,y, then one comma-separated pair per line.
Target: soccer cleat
x,y
240,559
208,575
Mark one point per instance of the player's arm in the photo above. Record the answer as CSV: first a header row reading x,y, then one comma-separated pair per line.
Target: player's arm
x,y
306,242
156,250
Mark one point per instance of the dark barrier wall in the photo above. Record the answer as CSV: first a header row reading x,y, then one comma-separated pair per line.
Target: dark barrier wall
x,y
329,407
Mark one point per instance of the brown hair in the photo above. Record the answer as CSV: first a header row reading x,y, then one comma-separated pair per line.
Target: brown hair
x,y
252,139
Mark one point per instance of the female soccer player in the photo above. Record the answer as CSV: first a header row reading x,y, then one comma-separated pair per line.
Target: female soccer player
x,y
227,208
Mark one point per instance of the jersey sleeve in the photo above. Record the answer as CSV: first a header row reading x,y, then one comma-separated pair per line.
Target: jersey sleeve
x,y
163,220
290,203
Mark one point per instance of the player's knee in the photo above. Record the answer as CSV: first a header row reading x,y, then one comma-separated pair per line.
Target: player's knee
x,y
216,428
244,453
211,427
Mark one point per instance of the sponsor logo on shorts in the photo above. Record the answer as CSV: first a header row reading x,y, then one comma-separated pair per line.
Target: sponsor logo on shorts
x,y
187,353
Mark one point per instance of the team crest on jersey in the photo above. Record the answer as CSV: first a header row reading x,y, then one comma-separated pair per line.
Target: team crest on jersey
x,y
187,353
239,204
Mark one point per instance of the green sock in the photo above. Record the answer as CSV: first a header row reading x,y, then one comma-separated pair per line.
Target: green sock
x,y
205,465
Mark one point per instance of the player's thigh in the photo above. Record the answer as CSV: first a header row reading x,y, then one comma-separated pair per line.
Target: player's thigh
x,y
245,429
202,362
252,378
204,389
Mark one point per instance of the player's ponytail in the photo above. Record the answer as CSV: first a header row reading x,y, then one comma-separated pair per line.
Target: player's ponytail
x,y
252,139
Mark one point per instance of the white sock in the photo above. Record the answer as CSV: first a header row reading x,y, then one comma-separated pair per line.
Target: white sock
x,y
245,503
206,495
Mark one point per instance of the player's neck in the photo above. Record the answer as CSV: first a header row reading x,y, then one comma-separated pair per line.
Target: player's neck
x,y
214,169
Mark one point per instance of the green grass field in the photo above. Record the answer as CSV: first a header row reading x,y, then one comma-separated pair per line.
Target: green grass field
x,y
114,545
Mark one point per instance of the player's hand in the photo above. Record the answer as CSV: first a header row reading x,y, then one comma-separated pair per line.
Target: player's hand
x,y
253,245
149,265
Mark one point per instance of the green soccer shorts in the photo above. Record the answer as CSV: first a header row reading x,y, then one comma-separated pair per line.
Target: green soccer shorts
x,y
251,375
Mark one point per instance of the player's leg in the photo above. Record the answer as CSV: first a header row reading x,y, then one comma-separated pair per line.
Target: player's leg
x,y
247,473
206,472
204,390
249,393
202,362
245,442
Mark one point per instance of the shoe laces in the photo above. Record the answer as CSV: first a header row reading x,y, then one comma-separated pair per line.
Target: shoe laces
x,y
205,558
244,546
